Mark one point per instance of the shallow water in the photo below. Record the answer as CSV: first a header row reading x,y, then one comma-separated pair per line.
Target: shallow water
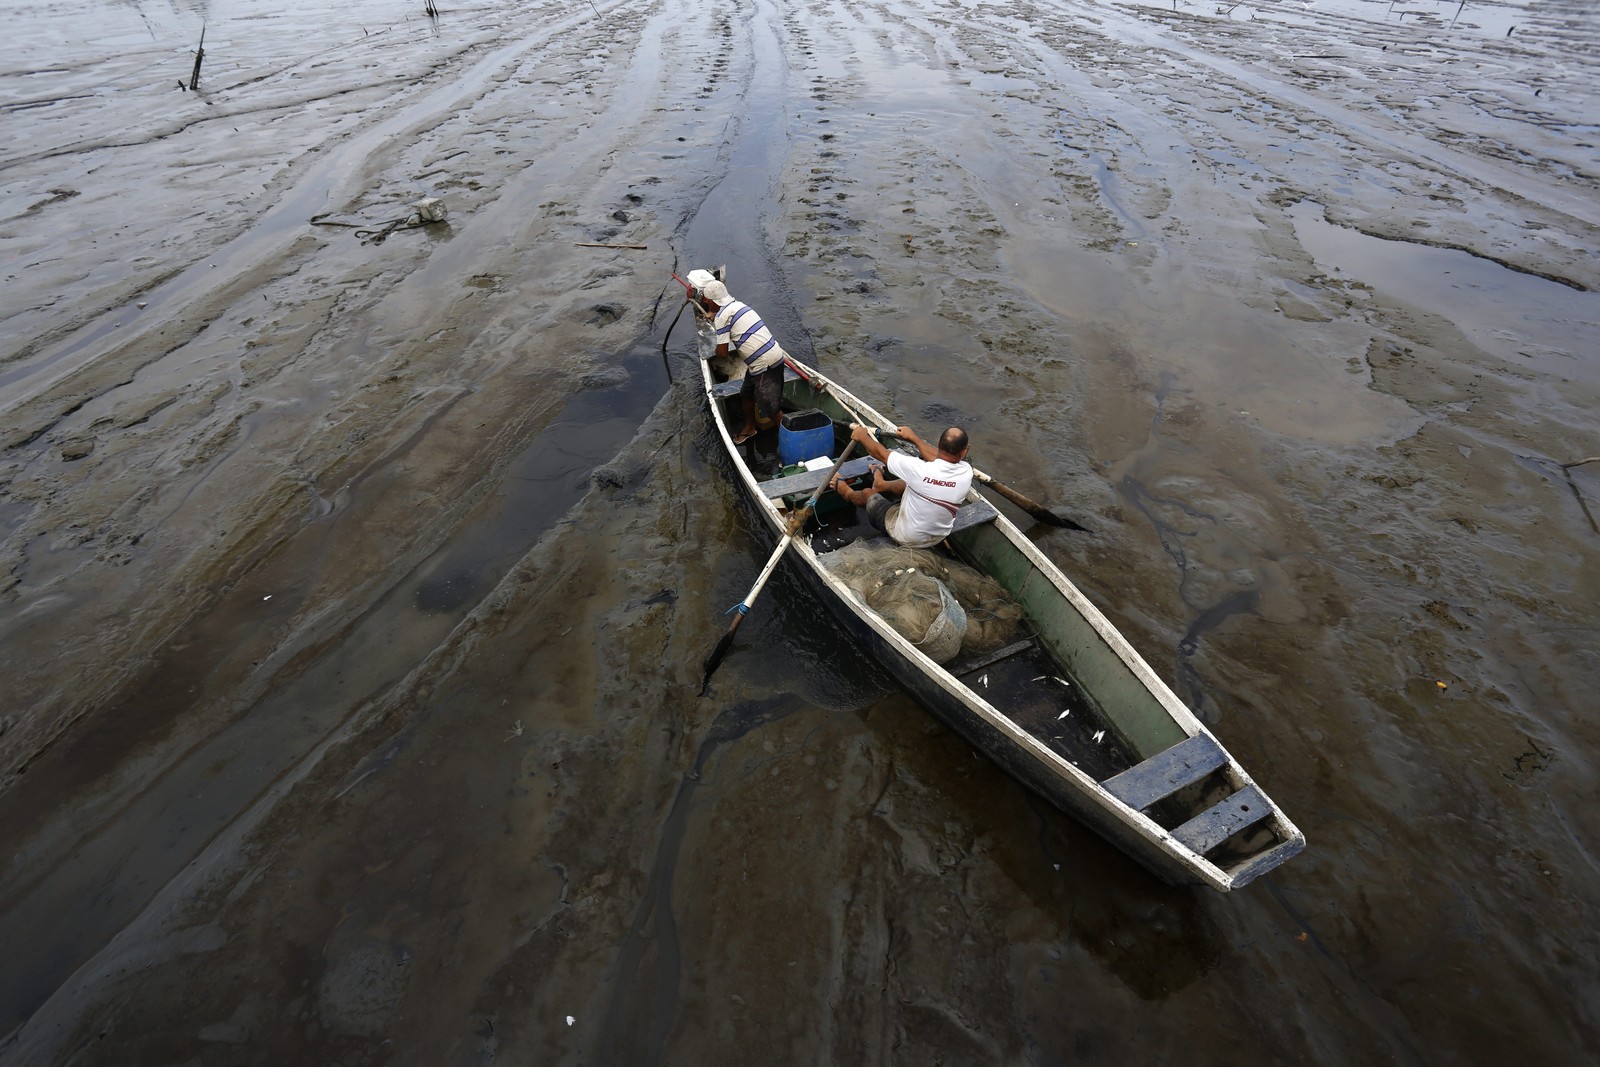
x,y
356,594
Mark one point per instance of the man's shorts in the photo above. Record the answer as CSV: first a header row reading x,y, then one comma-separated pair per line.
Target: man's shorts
x,y
881,511
767,388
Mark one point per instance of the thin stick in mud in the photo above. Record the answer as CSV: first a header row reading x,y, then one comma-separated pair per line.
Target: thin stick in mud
x,y
199,56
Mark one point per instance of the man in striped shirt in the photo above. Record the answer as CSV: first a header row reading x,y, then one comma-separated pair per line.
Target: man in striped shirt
x,y
741,332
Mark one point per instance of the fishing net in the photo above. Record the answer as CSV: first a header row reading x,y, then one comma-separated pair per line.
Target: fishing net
x,y
992,616
922,609
893,581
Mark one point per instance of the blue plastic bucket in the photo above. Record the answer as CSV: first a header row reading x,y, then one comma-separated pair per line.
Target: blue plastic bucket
x,y
804,435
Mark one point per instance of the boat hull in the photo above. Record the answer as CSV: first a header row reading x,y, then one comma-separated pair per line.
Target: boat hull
x,y
1163,809
933,695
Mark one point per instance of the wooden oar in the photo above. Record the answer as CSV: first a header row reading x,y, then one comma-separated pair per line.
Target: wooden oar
x,y
1038,512
741,609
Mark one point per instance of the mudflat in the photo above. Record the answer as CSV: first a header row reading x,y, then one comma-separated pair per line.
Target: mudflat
x,y
355,581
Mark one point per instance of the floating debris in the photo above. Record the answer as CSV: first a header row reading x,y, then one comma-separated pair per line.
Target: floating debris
x,y
1064,713
1099,735
985,681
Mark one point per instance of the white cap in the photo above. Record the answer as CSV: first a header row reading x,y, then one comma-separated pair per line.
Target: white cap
x,y
709,287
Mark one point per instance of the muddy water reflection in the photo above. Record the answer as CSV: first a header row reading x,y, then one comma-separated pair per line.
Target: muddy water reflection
x,y
215,757
648,970
1532,322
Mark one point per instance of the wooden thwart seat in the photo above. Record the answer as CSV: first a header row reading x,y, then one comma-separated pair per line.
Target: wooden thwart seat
x,y
806,482
1167,772
1221,821
978,511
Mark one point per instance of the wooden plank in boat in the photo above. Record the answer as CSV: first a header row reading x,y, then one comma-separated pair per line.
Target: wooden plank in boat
x,y
807,481
1017,648
1262,862
978,511
1216,824
1167,772
971,514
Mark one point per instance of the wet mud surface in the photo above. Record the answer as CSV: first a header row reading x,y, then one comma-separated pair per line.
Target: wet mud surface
x,y
353,594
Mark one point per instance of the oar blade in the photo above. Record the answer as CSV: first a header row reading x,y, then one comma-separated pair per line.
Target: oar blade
x,y
1050,518
714,660
1038,512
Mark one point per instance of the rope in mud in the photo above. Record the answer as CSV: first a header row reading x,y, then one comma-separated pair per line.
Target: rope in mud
x,y
668,336
377,236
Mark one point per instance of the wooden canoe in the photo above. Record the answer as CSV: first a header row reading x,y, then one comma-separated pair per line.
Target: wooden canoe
x,y
1068,707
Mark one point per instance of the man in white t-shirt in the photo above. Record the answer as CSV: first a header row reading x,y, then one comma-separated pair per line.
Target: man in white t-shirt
x,y
742,334
929,490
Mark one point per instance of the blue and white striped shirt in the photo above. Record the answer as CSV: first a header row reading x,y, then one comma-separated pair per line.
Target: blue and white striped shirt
x,y
741,329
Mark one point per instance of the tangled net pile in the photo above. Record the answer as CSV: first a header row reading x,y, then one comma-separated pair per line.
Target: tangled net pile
x,y
941,605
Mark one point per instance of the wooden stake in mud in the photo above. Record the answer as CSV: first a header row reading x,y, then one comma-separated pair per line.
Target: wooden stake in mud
x,y
199,56
1577,494
432,11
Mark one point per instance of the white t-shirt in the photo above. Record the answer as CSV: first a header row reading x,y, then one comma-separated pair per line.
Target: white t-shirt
x,y
935,491
741,329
